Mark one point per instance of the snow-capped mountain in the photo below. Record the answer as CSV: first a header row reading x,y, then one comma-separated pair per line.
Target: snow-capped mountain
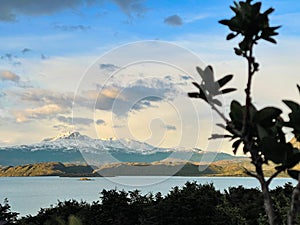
x,y
66,136
75,140
72,141
74,147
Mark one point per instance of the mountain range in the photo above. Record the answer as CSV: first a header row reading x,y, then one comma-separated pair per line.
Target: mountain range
x,y
73,147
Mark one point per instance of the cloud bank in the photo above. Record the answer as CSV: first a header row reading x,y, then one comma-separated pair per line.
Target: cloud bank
x,y
10,10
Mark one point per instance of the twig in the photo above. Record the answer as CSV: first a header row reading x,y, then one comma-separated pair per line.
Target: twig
x,y
219,112
228,123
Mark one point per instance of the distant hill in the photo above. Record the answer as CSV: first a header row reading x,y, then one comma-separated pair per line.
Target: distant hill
x,y
220,168
46,169
81,149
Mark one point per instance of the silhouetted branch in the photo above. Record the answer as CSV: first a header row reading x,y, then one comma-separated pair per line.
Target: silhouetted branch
x,y
249,173
273,176
219,112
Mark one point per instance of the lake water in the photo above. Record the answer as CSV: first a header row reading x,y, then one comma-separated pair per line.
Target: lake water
x,y
27,195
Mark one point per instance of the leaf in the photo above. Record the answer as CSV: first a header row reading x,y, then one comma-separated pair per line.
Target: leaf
x,y
256,7
238,51
200,71
272,40
293,158
262,132
294,174
224,22
235,10
228,90
196,85
224,80
270,31
236,145
221,125
217,102
236,112
292,105
230,36
274,28
274,151
218,136
200,94
194,94
268,11
208,75
266,116
295,120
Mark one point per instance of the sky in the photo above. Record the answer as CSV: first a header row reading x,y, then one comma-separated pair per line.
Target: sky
x,y
122,68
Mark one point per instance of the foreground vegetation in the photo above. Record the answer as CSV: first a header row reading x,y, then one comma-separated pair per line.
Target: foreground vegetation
x,y
259,133
192,204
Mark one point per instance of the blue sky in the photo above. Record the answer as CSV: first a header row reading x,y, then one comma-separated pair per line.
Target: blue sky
x,y
51,51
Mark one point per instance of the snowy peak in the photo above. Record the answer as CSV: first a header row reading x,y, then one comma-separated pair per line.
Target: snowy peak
x,y
67,136
76,140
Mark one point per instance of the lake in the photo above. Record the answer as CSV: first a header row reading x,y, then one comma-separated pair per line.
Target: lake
x,y
27,195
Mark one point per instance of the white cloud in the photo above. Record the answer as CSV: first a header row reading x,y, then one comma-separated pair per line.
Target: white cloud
x,y
9,76
43,112
121,100
196,17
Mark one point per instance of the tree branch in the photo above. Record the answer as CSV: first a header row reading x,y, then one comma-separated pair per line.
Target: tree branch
x,y
268,203
248,89
219,112
249,173
273,176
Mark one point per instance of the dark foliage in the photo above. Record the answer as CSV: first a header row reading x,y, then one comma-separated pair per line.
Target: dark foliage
x,y
7,217
260,132
194,203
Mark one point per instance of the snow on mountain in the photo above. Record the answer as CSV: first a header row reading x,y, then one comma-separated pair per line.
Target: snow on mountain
x,y
83,143
66,135
73,147
130,145
72,141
